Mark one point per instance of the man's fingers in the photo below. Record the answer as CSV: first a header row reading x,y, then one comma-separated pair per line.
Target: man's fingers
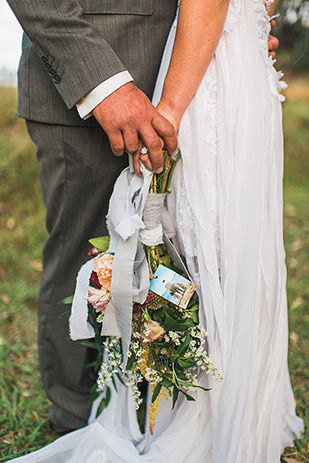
x,y
126,115
136,163
117,143
131,140
167,132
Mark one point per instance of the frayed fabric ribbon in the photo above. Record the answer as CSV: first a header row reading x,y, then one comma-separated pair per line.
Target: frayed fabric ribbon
x,y
134,217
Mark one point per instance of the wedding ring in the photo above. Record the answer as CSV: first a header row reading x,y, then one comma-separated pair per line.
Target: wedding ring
x,y
144,151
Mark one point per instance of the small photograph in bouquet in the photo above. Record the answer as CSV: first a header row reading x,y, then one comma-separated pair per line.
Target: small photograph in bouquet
x,y
172,286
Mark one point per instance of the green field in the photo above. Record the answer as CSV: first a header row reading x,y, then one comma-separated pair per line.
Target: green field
x,y
23,404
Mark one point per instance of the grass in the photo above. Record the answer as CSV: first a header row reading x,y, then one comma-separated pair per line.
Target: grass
x,y
23,403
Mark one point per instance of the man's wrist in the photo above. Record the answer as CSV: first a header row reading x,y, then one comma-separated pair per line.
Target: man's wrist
x,y
86,105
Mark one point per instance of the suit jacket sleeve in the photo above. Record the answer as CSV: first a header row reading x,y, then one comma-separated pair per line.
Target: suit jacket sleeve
x,y
72,50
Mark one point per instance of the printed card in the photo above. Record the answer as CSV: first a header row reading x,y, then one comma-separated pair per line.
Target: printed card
x,y
172,286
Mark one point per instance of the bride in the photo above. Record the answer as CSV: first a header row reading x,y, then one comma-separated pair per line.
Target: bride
x,y
217,85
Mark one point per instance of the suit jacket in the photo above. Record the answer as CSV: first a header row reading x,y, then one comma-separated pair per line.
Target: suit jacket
x,y
70,46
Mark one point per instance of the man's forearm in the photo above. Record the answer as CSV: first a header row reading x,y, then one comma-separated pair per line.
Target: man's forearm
x,y
73,51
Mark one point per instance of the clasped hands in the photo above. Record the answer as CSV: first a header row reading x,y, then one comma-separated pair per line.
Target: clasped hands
x,y
132,124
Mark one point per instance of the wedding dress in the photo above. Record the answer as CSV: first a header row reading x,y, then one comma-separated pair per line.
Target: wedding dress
x,y
227,202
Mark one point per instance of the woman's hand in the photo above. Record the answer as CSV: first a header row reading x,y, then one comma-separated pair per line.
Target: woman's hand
x,y
273,42
199,28
167,112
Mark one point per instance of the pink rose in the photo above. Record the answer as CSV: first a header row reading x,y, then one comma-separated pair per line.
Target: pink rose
x,y
153,331
98,298
103,268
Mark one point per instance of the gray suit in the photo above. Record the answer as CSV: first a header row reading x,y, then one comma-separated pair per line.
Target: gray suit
x,y
69,47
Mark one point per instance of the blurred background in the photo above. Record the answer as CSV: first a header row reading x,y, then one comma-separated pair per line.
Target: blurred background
x,y
23,404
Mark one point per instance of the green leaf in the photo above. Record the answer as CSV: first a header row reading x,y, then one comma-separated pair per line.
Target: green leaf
x,y
165,260
186,363
101,407
204,388
175,395
156,392
188,396
92,364
101,243
193,313
184,346
194,308
130,362
187,384
104,402
88,344
95,394
166,382
94,389
194,316
114,383
65,314
108,396
66,300
98,344
120,379
99,360
177,325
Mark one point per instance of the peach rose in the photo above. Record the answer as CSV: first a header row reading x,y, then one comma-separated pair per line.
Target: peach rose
x,y
103,268
98,298
153,331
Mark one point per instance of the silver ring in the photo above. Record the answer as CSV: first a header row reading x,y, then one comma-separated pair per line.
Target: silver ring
x,y
144,151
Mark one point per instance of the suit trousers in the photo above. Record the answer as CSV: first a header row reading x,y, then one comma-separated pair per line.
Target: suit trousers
x,y
77,172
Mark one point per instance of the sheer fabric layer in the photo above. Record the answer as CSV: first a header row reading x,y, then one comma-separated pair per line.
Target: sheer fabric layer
x,y
227,200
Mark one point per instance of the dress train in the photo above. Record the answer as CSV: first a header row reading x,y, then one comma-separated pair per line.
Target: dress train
x,y
227,203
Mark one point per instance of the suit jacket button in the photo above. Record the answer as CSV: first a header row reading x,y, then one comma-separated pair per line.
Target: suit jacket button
x,y
47,66
44,59
57,79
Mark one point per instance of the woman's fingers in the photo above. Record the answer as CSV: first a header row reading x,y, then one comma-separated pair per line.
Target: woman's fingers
x,y
273,44
144,158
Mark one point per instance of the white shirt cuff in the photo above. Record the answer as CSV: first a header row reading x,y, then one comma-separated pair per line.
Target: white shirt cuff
x,y
102,91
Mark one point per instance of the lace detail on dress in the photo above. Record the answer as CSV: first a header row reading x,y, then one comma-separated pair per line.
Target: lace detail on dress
x,y
233,15
208,169
263,30
211,139
210,109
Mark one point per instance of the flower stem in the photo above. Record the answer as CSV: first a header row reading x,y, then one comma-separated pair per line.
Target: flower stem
x,y
174,161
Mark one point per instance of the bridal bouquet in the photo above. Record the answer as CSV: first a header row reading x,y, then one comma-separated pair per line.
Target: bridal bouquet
x,y
144,312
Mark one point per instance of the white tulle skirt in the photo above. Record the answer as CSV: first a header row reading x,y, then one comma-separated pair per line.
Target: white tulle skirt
x,y
227,203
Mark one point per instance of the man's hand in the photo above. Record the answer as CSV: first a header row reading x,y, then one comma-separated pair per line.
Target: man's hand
x,y
131,122
273,42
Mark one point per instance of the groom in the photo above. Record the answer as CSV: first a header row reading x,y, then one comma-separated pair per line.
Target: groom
x,y
78,61
79,56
